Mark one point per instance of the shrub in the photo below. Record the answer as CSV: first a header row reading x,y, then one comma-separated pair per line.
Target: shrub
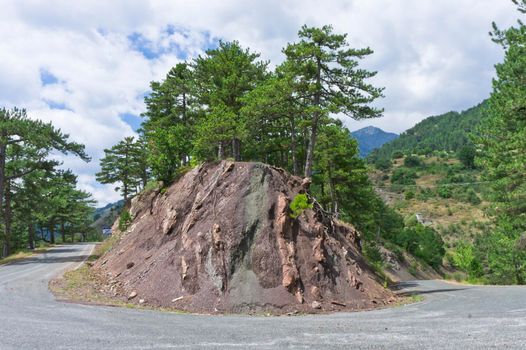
x,y
425,194
398,155
410,194
444,192
125,220
152,185
464,256
472,197
299,204
423,242
383,164
412,161
373,255
404,176
467,156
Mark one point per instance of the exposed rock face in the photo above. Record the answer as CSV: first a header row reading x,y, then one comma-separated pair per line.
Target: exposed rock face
x,y
221,239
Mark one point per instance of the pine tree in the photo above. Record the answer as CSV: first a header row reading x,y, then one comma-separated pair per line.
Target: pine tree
x,y
328,80
25,146
340,174
123,163
273,119
501,144
222,77
169,122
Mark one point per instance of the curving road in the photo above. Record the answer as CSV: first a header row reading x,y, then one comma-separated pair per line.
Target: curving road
x,y
451,317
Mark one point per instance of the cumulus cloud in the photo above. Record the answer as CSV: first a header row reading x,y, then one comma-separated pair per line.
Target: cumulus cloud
x,y
86,65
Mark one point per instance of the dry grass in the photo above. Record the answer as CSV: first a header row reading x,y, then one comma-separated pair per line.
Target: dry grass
x,y
428,180
24,254
442,212
82,284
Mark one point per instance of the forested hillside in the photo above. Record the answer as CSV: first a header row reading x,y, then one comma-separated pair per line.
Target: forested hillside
x,y
463,173
103,218
440,192
447,132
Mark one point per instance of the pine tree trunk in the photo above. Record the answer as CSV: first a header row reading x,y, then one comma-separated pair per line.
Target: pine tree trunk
x,y
185,122
63,231
31,236
7,219
310,149
220,151
236,149
315,120
52,233
332,189
518,274
125,191
295,167
3,148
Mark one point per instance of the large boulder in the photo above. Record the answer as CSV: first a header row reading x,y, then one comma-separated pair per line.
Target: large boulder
x,y
221,239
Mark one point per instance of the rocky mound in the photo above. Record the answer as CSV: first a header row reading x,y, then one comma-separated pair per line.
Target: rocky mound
x,y
221,239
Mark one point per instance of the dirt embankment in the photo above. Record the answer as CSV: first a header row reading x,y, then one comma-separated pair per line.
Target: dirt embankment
x,y
221,239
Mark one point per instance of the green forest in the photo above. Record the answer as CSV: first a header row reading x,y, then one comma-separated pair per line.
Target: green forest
x,y
228,103
449,132
39,200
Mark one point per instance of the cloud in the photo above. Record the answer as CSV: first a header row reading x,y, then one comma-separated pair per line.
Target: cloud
x,y
86,65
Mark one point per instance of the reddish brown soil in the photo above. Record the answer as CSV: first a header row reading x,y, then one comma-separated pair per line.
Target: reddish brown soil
x,y
221,239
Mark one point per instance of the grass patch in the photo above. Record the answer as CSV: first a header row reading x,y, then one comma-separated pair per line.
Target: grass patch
x,y
403,300
462,279
24,254
415,298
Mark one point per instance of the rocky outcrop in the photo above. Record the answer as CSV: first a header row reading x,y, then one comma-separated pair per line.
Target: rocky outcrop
x,y
221,239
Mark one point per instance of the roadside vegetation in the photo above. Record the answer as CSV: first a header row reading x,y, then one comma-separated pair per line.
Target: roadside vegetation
x,y
25,253
463,174
39,201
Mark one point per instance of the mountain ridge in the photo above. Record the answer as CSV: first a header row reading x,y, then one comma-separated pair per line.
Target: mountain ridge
x,y
445,132
371,138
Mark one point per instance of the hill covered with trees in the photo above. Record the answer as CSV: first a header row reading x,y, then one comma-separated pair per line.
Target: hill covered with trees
x,y
465,172
446,132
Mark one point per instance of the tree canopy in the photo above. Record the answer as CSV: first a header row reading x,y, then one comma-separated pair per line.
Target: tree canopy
x,y
33,192
501,152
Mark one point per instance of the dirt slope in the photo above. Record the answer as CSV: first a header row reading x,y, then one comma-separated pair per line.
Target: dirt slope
x,y
221,240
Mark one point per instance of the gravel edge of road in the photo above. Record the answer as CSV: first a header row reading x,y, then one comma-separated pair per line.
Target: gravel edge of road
x,y
81,286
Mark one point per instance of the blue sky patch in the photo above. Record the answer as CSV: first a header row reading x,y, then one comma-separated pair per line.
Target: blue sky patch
x,y
151,50
132,120
47,78
56,105
146,47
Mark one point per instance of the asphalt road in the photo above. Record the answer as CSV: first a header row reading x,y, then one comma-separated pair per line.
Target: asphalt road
x,y
451,317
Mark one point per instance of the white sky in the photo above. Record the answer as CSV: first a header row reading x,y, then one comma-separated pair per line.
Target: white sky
x,y
84,64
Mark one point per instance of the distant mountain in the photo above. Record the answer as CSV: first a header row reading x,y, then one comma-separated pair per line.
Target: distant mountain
x,y
370,138
445,132
105,217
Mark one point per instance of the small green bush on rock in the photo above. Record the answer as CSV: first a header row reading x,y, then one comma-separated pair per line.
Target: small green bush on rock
x,y
299,204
